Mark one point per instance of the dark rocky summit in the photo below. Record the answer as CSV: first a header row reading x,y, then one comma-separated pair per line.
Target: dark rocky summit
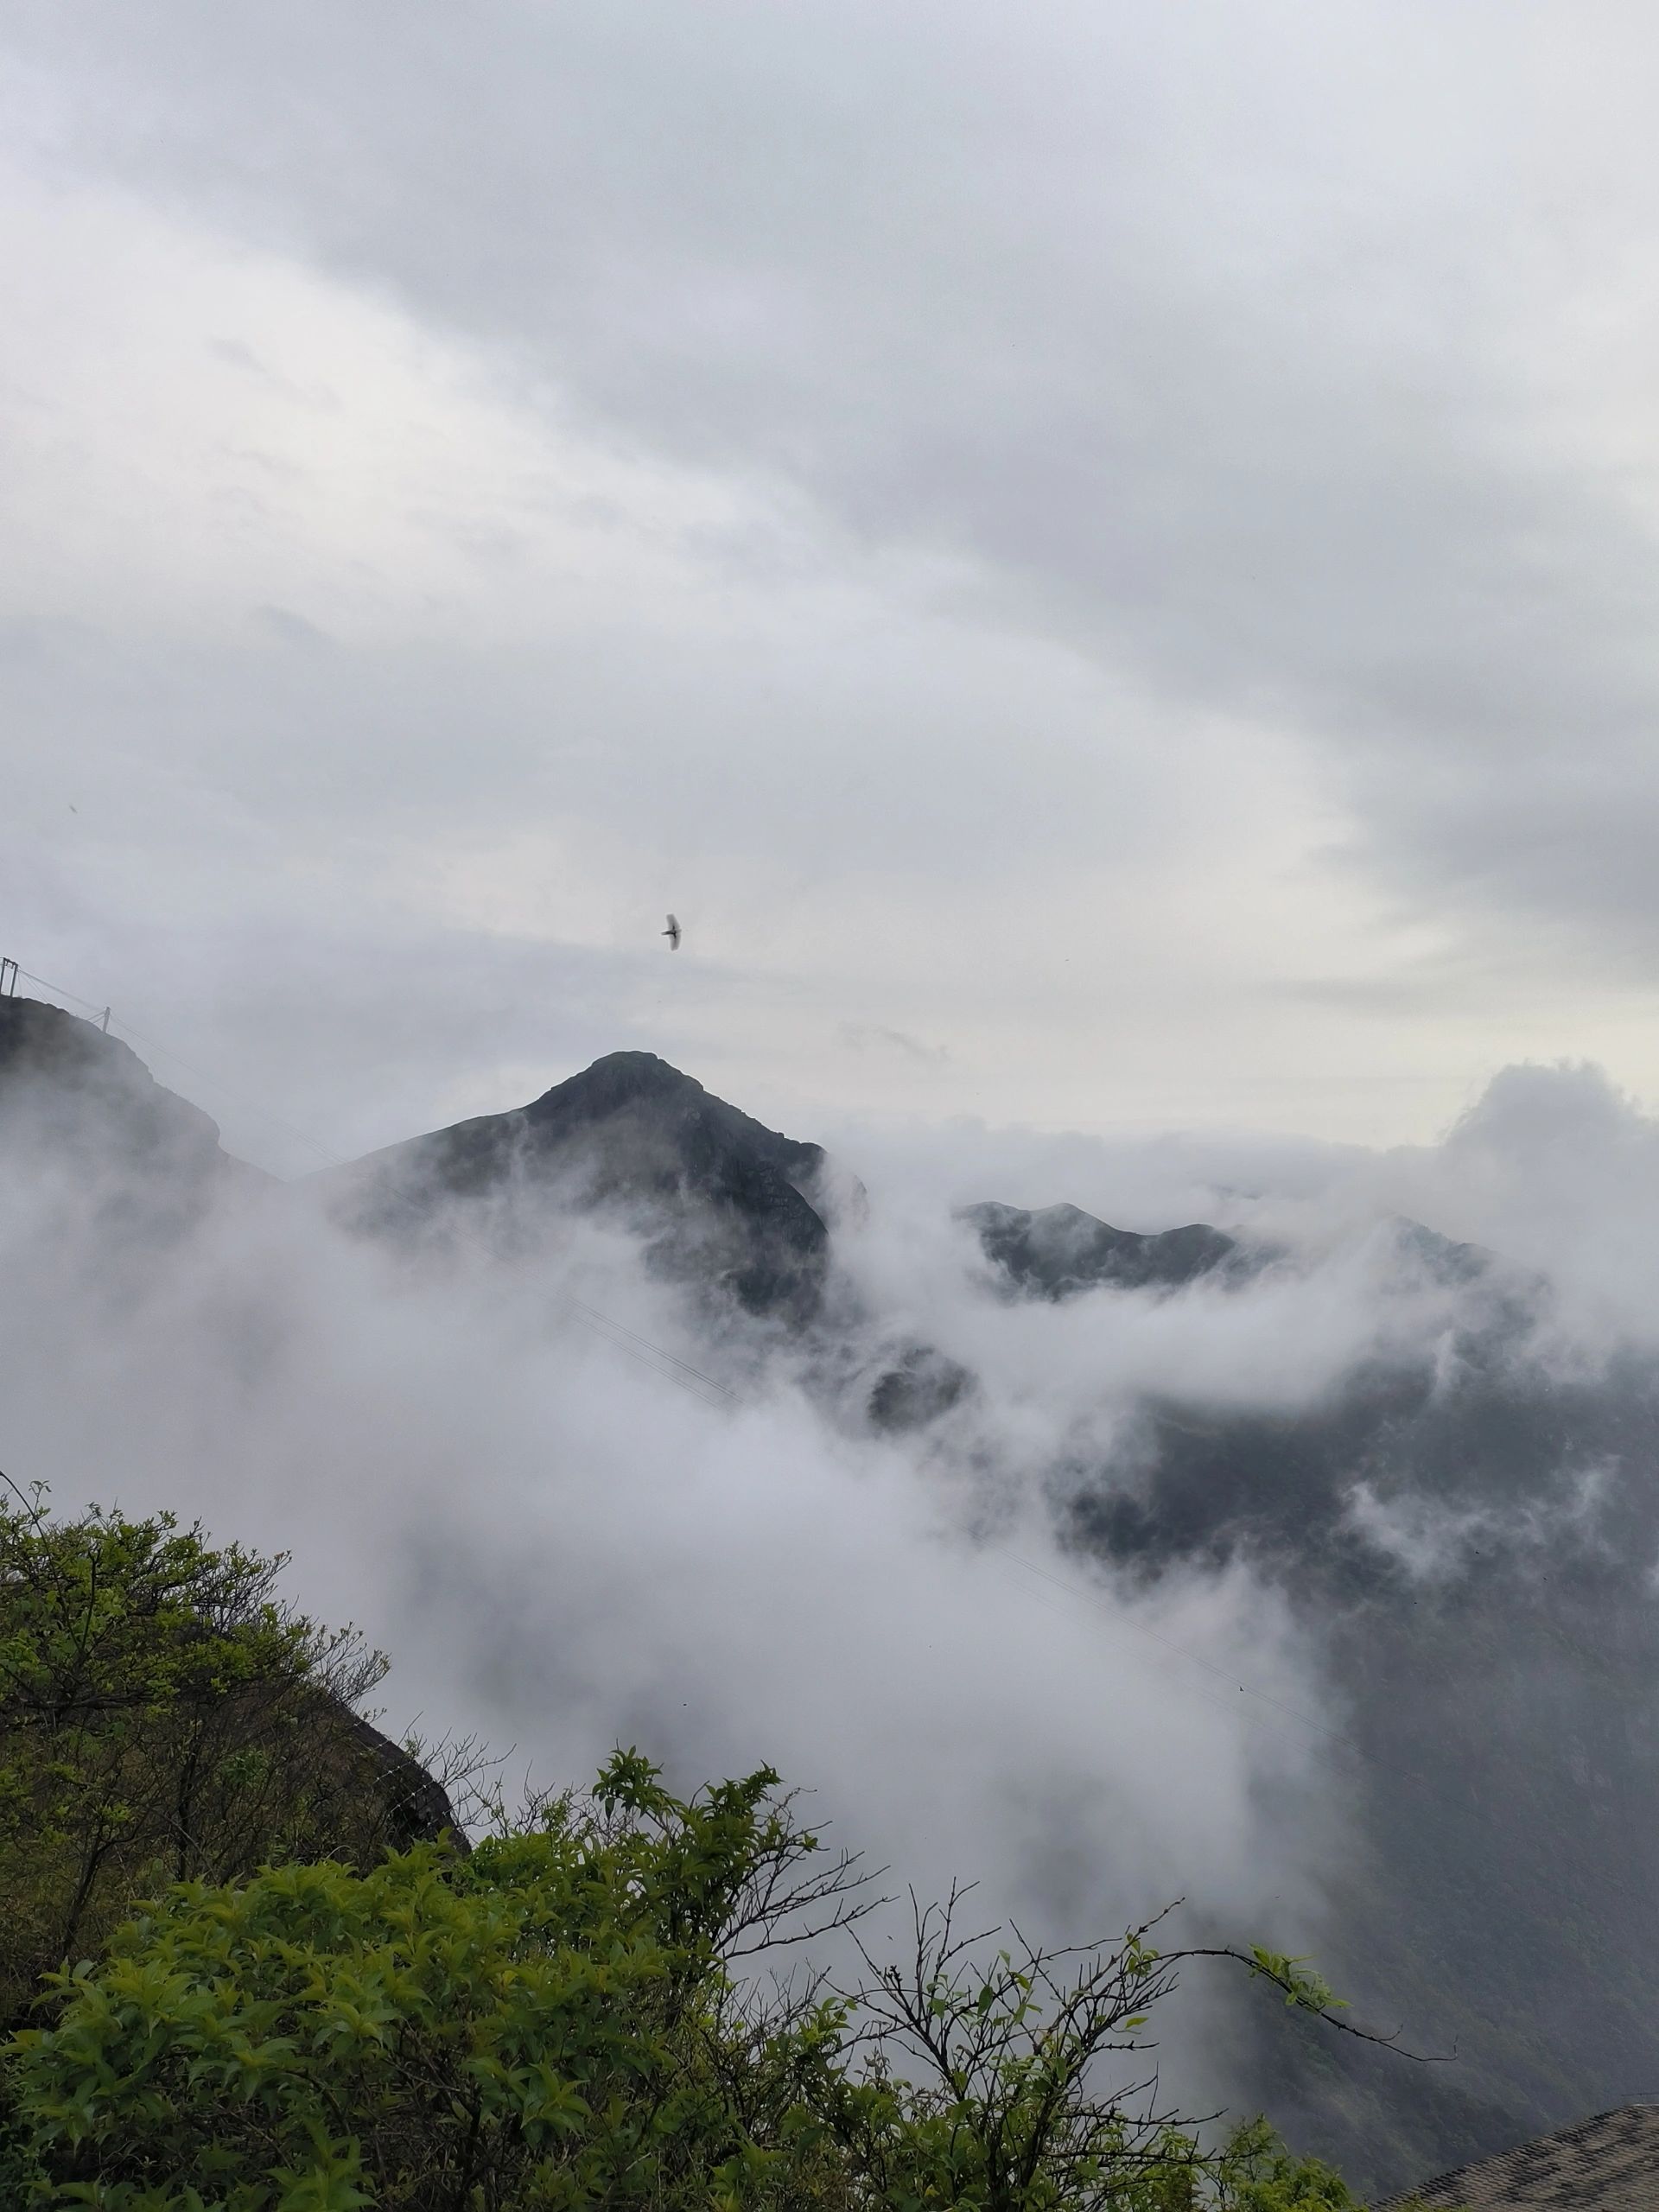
x,y
1059,1251
720,1198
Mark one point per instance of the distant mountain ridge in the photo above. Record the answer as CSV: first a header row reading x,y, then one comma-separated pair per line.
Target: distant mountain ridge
x,y
1059,1251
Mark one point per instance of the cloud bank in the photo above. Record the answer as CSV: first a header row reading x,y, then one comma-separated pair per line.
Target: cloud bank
x,y
1119,548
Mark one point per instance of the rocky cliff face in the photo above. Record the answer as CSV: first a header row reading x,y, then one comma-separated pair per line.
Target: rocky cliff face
x,y
412,1805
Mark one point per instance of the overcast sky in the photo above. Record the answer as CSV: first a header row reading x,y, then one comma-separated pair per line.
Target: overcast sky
x,y
1100,557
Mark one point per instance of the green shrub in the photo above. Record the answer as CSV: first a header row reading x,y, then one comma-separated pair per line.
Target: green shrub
x,y
570,2020
163,1716
550,2024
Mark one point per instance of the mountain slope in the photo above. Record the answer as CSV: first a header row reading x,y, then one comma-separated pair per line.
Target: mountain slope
x,y
72,1097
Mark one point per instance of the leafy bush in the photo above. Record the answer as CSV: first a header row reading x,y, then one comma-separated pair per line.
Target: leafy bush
x,y
163,1716
550,2023
571,2019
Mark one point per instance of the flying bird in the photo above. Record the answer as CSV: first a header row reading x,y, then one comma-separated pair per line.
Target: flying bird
x,y
672,933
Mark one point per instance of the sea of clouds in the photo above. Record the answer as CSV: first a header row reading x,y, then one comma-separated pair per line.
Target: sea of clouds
x,y
567,1541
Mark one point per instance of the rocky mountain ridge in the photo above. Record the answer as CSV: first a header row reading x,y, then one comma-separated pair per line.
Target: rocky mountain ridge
x,y
719,1199
1059,1251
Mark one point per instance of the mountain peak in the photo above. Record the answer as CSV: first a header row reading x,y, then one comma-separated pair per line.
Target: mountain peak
x,y
720,1196
625,1075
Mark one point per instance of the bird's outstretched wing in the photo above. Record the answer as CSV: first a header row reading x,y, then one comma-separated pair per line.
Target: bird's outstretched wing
x,y
672,933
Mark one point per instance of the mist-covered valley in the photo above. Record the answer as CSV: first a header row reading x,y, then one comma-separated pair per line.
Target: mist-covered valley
x,y
1303,1569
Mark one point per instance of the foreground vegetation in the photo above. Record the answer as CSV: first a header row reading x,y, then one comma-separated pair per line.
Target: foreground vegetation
x,y
232,1982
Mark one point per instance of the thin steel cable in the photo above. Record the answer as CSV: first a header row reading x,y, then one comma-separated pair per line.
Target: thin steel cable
x,y
60,990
